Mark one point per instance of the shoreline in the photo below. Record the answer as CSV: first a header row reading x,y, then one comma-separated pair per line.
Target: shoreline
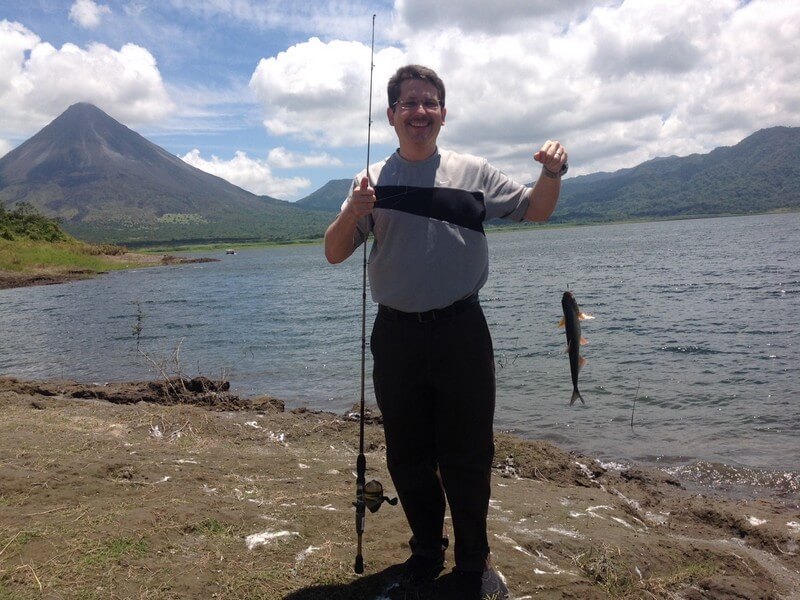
x,y
52,276
159,254
180,489
731,481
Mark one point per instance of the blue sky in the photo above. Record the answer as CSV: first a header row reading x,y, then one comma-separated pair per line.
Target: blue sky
x,y
273,95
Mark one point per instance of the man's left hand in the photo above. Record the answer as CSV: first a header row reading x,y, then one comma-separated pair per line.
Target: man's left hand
x,y
552,156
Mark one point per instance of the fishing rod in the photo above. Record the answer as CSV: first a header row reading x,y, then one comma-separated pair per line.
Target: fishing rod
x,y
368,495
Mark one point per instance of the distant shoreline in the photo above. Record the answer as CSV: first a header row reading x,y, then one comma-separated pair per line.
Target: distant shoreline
x,y
50,276
490,228
222,246
146,256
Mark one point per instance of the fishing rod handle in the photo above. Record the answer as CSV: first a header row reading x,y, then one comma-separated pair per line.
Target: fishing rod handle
x,y
359,566
361,515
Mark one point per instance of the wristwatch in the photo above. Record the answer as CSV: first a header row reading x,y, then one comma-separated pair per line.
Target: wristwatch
x,y
553,174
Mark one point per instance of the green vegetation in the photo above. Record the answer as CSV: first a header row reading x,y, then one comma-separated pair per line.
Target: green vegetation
x,y
221,246
32,243
183,219
209,527
761,174
116,549
233,229
28,255
25,223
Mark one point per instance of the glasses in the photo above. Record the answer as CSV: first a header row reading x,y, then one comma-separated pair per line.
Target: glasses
x,y
413,105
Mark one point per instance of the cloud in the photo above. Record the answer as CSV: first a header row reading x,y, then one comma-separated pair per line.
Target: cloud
x,y
250,174
39,81
282,158
319,92
5,147
88,13
320,17
617,81
488,17
620,79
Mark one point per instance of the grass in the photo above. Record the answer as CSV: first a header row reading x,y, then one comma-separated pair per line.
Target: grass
x,y
208,247
607,568
116,549
26,256
32,244
209,527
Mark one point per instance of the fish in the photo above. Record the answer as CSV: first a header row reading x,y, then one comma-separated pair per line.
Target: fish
x,y
571,321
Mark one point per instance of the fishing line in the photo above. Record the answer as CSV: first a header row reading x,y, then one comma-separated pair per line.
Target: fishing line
x,y
639,382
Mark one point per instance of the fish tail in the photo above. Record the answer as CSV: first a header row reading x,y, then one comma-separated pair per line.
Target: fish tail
x,y
576,394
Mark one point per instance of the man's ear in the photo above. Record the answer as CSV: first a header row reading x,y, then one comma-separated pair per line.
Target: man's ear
x,y
390,116
444,114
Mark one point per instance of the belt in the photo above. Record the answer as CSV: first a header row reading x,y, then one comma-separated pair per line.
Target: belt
x,y
429,315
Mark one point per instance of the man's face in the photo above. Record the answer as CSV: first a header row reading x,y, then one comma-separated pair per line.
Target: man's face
x,y
418,128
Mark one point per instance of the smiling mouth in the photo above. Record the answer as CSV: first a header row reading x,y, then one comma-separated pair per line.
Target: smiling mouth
x,y
419,124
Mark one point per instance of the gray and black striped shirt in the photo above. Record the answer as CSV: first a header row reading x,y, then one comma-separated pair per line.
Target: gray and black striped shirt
x,y
429,246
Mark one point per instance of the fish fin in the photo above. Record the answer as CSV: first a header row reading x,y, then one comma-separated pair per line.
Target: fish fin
x,y
566,350
584,341
585,317
581,361
576,394
562,322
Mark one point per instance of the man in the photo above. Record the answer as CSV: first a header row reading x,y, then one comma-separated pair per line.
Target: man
x,y
433,359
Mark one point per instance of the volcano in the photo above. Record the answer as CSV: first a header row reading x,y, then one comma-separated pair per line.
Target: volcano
x,y
105,182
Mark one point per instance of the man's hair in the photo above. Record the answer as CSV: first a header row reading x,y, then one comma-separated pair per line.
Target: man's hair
x,y
413,72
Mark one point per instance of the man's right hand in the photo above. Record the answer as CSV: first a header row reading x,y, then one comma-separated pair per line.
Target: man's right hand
x,y
362,201
340,234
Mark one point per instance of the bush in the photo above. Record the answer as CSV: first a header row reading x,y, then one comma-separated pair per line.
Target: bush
x,y
25,222
104,249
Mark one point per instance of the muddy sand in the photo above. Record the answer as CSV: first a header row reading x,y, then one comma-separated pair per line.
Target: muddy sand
x,y
183,490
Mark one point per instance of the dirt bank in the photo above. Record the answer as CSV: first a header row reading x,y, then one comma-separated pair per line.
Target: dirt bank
x,y
182,490
51,275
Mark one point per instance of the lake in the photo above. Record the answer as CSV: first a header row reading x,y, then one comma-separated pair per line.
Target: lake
x,y
697,321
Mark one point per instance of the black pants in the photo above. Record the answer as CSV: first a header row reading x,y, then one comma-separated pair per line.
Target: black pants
x,y
435,385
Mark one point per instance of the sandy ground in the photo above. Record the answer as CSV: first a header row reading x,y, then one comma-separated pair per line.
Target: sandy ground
x,y
185,491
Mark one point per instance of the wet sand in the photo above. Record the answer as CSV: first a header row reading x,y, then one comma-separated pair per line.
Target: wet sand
x,y
181,489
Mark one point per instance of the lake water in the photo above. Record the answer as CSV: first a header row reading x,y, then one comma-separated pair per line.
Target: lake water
x,y
696,320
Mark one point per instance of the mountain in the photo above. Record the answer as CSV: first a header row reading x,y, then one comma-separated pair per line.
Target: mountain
x,y
105,182
329,197
759,174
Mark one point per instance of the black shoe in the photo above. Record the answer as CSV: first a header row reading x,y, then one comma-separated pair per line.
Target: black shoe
x,y
421,570
483,586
